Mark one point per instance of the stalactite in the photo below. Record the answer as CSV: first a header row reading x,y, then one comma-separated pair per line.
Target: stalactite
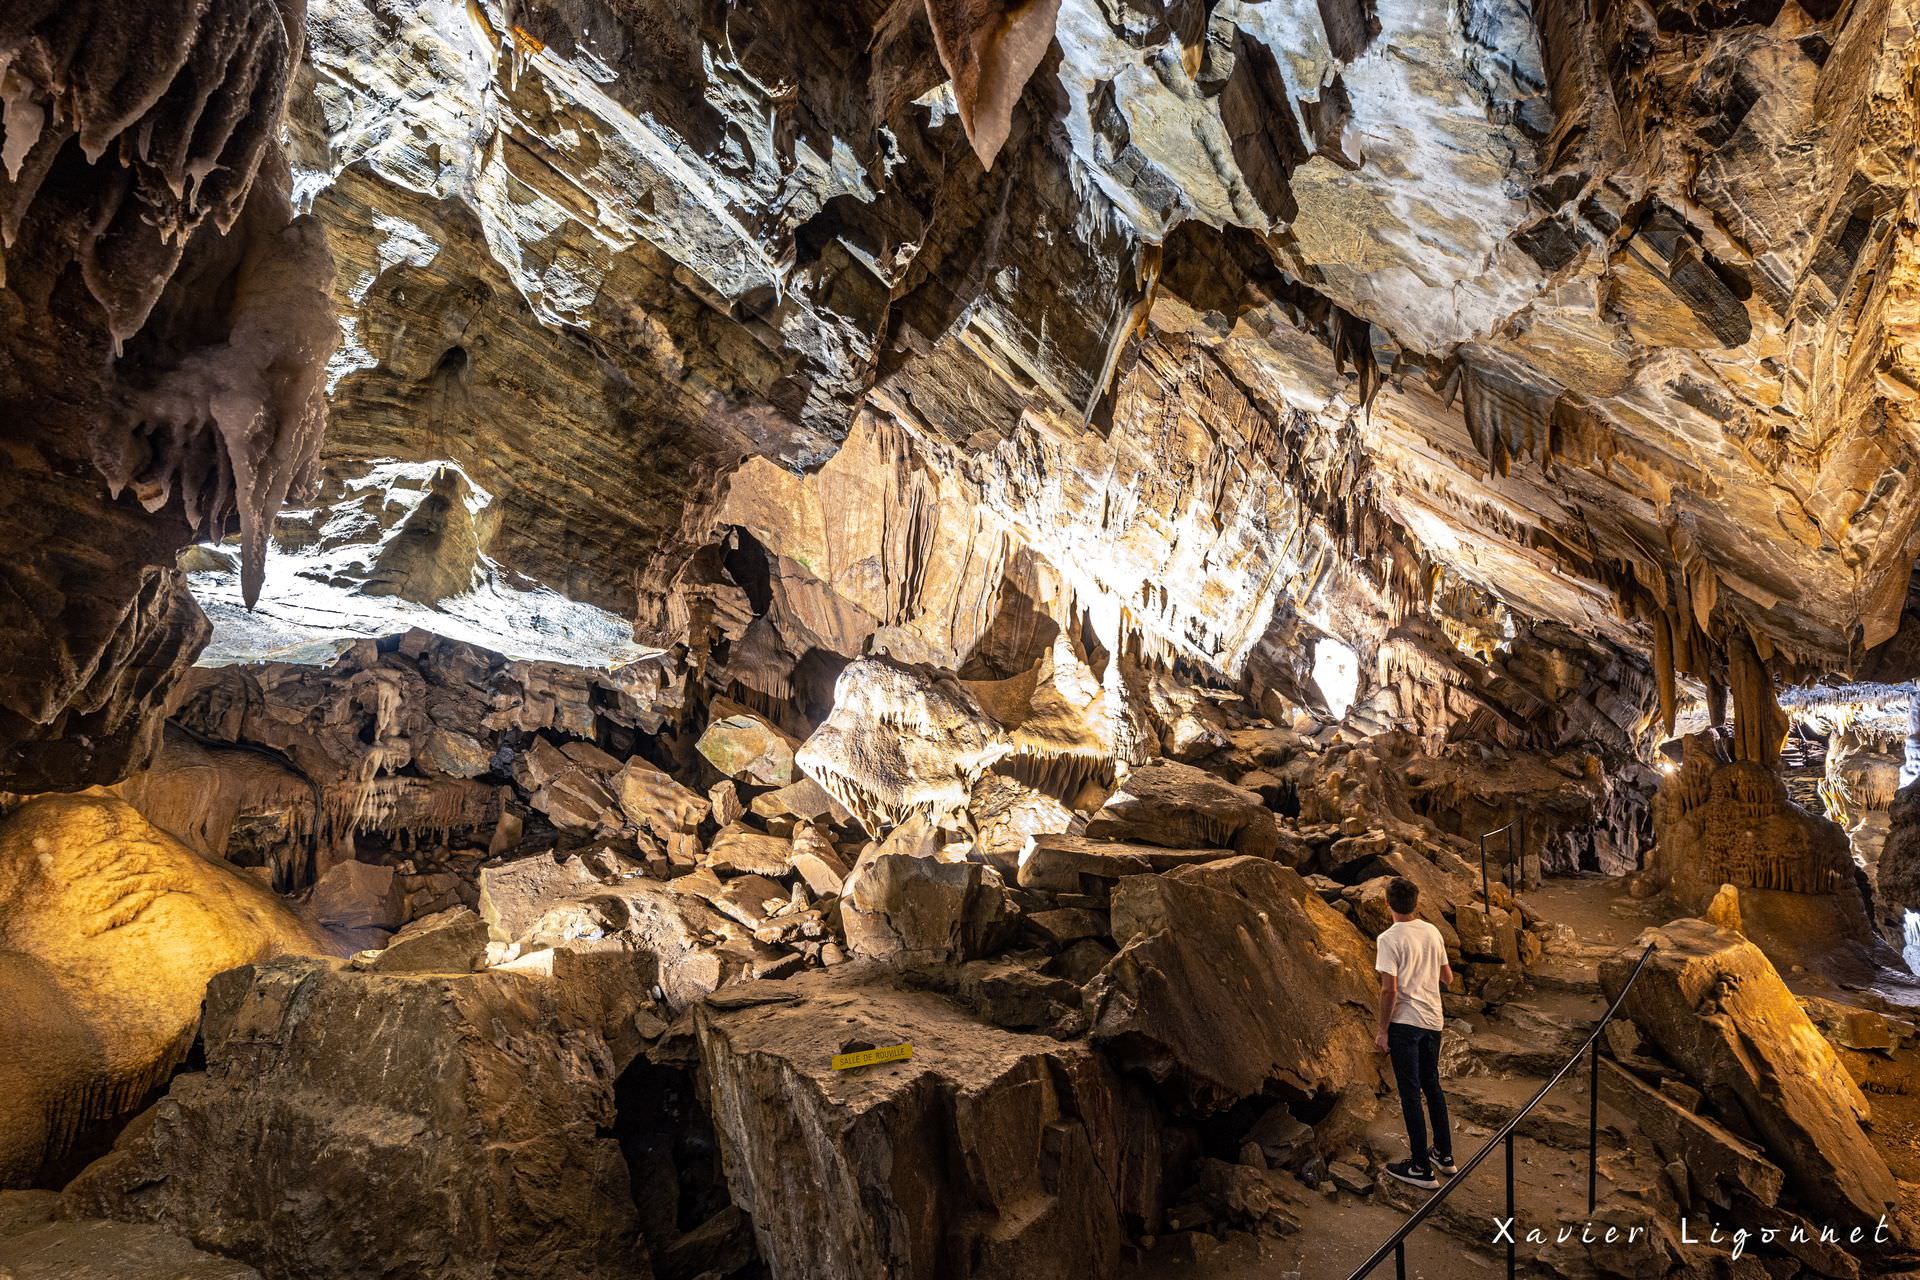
x,y
1661,627
1759,726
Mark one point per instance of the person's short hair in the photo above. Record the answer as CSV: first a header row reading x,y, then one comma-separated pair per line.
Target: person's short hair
x,y
1403,895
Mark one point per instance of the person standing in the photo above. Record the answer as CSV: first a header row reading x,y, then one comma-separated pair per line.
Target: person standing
x,y
1412,962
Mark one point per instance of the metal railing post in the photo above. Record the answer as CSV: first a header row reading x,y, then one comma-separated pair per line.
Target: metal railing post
x,y
1486,893
1400,1261
1512,1218
1593,1128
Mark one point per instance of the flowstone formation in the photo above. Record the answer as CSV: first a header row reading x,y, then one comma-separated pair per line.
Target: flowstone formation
x,y
109,932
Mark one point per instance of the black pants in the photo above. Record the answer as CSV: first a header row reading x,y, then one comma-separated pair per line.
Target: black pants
x,y
1416,1069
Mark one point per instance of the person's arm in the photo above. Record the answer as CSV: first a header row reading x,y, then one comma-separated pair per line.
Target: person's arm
x,y
1389,987
1446,977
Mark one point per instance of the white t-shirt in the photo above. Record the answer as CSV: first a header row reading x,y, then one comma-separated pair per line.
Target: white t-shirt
x,y
1414,953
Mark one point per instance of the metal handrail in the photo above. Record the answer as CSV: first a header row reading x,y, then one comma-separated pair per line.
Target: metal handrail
x,y
1396,1244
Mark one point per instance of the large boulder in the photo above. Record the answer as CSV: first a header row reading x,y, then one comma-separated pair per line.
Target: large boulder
x,y
514,895
1177,806
746,746
354,896
1714,1006
989,1153
364,1125
109,931
1075,864
36,1245
902,740
450,941
1235,979
573,784
654,801
670,934
905,900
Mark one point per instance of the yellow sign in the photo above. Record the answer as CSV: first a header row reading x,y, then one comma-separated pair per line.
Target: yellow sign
x,y
872,1057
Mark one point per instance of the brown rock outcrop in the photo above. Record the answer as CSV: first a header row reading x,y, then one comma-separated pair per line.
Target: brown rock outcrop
x,y
989,1153
1713,1005
453,1126
903,900
1234,979
35,1245
109,932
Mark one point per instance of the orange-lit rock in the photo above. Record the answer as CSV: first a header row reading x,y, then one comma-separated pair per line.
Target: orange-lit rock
x,y
109,931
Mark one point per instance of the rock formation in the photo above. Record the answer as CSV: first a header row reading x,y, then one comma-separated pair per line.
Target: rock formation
x,y
1721,822
1233,979
1003,1154
109,932
473,1145
166,329
1711,1002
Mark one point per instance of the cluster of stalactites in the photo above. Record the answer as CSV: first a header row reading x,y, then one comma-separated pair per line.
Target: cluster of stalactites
x,y
184,94
1730,661
184,97
428,807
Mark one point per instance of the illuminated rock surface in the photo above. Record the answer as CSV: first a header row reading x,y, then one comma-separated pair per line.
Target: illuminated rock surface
x,y
109,931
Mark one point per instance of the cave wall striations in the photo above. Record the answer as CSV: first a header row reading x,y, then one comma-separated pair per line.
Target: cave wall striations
x,y
165,322
1116,276
1235,315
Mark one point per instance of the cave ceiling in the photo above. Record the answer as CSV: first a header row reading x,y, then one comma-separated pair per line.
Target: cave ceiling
x,y
1610,314
1218,317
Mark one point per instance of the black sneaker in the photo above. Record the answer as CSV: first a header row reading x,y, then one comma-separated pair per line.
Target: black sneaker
x,y
1414,1175
1442,1164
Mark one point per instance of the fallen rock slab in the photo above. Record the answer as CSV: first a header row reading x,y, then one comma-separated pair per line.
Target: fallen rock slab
x,y
989,1154
1234,979
357,1125
745,746
515,895
1719,1164
1064,864
1178,806
451,941
919,906
1713,1005
655,801
740,850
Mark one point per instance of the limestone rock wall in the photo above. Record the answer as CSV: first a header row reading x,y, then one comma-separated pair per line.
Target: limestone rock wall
x,y
165,326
